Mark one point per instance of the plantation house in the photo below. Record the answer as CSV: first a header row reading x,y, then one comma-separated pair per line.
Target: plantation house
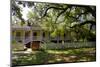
x,y
32,36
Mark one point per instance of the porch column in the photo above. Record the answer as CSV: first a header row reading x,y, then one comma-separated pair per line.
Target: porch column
x,y
23,36
23,39
41,37
31,38
14,35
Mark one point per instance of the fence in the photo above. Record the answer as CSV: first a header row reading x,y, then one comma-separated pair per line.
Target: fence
x,y
67,45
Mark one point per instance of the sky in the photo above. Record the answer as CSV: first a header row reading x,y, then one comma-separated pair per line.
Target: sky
x,y
25,11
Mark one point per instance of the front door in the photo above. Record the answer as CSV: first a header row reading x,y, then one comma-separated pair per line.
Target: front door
x,y
35,45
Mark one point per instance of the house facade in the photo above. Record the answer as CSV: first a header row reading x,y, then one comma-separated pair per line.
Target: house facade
x,y
32,36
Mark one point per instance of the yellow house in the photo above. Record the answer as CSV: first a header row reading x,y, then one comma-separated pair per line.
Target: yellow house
x,y
32,36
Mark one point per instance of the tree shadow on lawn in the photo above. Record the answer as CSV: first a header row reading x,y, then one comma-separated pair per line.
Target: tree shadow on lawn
x,y
75,56
45,57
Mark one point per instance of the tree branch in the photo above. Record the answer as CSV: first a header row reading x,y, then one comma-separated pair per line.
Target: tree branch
x,y
45,12
60,14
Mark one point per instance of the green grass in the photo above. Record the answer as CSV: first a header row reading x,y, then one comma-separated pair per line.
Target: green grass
x,y
55,56
16,46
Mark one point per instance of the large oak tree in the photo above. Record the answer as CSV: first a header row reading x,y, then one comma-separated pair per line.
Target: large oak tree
x,y
77,20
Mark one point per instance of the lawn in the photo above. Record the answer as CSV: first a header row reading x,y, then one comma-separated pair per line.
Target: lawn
x,y
54,56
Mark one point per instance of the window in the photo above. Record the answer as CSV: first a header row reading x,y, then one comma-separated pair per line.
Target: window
x,y
35,34
43,34
18,34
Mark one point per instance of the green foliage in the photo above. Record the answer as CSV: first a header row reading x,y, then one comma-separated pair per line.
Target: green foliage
x,y
39,57
62,18
54,33
31,14
13,42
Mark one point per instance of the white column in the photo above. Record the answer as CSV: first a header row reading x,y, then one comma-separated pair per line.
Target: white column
x,y
41,35
14,35
31,38
23,36
23,39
